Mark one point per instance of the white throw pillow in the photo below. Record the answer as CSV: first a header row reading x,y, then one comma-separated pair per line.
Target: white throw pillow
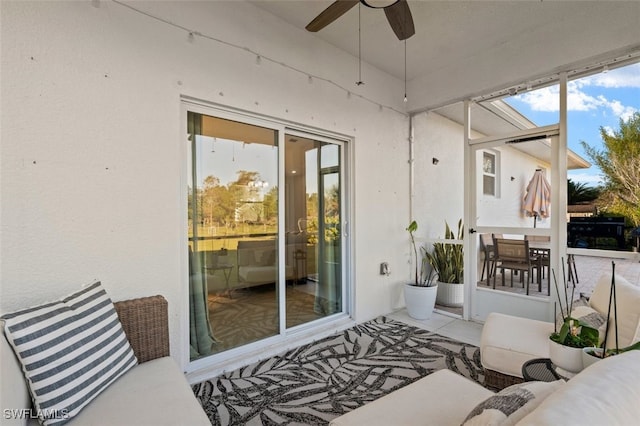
x,y
511,404
70,351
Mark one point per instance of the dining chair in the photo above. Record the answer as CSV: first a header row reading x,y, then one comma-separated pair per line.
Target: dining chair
x,y
486,245
514,255
537,247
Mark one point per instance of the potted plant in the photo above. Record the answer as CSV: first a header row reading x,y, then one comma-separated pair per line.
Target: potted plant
x,y
447,260
592,354
566,345
419,295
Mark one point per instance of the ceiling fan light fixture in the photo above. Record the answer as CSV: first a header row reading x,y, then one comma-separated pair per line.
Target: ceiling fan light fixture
x,y
379,4
397,12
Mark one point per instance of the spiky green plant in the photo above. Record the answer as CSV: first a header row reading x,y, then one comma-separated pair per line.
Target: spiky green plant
x,y
447,259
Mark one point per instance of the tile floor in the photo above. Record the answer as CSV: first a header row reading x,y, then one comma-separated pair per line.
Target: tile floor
x,y
589,269
455,328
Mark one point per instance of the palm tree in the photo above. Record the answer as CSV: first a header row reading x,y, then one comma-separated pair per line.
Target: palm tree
x,y
578,192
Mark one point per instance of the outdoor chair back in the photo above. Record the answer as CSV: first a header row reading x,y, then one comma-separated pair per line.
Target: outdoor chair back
x,y
515,256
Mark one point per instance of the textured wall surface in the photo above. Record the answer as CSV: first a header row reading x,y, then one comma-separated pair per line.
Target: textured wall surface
x,y
93,164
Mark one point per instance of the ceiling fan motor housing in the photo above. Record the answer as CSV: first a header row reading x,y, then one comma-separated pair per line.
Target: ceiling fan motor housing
x,y
378,4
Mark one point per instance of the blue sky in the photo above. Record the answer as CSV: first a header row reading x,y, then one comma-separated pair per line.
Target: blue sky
x,y
593,102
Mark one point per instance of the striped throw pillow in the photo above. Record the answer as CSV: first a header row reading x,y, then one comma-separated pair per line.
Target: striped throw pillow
x,y
70,351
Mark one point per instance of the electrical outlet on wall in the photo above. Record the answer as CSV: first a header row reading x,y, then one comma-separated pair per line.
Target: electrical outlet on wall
x,y
384,268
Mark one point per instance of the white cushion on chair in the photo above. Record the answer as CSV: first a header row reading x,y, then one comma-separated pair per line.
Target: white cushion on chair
x,y
628,303
507,342
605,393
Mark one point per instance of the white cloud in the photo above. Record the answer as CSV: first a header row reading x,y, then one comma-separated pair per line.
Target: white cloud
x,y
586,178
609,130
577,100
547,99
622,111
628,76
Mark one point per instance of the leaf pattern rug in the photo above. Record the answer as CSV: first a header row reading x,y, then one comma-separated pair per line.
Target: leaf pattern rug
x,y
313,384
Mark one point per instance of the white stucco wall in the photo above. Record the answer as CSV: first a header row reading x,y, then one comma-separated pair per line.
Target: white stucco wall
x,y
92,168
438,189
506,208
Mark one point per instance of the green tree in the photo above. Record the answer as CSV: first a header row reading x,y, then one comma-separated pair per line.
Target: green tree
x,y
620,165
579,192
270,204
245,177
217,202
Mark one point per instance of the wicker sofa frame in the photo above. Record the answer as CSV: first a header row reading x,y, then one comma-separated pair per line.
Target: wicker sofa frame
x,y
146,323
154,392
498,381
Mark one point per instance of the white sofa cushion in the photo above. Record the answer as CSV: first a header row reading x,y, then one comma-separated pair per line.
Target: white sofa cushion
x,y
507,342
152,393
441,398
511,404
605,393
628,303
70,351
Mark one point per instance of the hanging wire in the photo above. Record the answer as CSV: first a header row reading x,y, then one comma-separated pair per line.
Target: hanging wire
x,y
359,82
263,57
405,70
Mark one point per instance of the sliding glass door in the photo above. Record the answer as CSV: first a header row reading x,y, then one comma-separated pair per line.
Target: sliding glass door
x,y
265,209
313,205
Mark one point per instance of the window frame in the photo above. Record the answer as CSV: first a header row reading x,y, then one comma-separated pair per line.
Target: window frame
x,y
286,336
495,175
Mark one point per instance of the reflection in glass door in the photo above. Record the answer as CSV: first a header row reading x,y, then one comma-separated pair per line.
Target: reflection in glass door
x,y
233,238
313,223
259,265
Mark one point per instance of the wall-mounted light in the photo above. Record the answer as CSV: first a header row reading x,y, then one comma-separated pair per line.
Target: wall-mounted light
x,y
435,161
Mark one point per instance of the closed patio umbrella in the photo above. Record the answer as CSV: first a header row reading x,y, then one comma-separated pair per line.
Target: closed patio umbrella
x,y
538,197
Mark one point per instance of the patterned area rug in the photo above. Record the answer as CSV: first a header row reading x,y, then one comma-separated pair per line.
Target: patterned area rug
x,y
315,383
252,314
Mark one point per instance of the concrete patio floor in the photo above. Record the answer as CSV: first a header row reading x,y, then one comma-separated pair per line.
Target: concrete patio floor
x,y
589,270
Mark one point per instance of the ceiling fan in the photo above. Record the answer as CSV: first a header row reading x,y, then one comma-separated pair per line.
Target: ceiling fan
x,y
397,11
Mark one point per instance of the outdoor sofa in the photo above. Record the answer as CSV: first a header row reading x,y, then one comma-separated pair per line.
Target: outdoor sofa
x,y
153,392
507,342
605,393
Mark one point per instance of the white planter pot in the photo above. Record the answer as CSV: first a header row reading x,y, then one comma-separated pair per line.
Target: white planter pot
x,y
587,359
565,357
450,294
420,300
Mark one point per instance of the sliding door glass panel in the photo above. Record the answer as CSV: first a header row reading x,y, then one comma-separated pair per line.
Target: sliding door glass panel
x,y
232,233
313,222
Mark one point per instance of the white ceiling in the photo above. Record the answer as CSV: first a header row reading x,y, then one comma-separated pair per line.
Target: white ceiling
x,y
464,49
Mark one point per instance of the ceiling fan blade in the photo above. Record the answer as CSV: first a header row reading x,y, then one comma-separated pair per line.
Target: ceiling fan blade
x,y
330,14
400,19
